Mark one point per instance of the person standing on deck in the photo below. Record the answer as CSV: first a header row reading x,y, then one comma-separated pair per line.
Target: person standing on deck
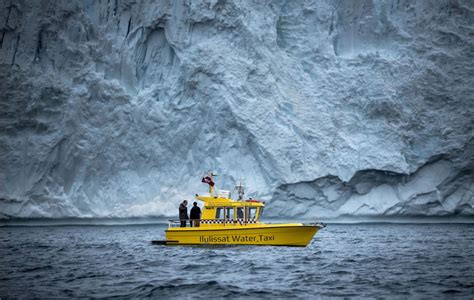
x,y
195,215
183,213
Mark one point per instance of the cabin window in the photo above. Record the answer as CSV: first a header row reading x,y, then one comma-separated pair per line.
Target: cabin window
x,y
229,213
219,213
251,213
240,212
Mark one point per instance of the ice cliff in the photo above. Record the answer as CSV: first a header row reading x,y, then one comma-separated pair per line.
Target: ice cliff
x,y
325,108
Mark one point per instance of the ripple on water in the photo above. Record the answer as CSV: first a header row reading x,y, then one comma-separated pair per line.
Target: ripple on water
x,y
342,261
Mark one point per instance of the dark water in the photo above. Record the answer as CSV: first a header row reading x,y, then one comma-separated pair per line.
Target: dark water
x,y
373,260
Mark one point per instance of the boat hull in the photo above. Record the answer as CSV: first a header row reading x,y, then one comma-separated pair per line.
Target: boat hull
x,y
259,234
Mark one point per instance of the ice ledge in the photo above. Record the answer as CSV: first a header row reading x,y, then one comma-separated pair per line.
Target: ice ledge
x,y
438,188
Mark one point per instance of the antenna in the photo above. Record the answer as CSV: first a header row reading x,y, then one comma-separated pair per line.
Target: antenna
x,y
240,189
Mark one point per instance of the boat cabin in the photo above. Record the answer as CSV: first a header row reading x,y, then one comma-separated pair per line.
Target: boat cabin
x,y
229,210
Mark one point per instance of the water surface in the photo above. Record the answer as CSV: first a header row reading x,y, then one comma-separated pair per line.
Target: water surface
x,y
368,260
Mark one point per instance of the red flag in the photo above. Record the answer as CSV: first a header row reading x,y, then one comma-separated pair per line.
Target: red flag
x,y
208,180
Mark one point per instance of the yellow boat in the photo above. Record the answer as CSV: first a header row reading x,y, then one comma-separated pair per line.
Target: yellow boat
x,y
225,221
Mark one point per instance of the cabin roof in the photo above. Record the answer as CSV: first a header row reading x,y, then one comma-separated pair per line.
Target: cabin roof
x,y
218,201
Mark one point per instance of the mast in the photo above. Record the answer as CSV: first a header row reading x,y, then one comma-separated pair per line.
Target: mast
x,y
211,186
209,179
240,190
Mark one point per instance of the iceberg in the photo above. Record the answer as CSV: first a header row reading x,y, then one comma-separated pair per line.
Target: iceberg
x,y
117,108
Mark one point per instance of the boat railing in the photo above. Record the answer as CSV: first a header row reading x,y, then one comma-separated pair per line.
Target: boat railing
x,y
211,222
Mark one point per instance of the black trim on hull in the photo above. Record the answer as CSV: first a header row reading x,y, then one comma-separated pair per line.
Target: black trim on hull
x,y
223,245
163,242
263,227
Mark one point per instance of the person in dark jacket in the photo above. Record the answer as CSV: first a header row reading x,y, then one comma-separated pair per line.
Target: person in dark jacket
x,y
195,215
183,213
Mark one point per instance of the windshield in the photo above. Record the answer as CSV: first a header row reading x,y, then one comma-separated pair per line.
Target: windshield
x,y
260,212
251,213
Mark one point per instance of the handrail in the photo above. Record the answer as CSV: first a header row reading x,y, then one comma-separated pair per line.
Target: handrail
x,y
226,220
209,222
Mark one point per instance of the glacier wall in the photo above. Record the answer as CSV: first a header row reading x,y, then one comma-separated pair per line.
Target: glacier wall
x,y
326,108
